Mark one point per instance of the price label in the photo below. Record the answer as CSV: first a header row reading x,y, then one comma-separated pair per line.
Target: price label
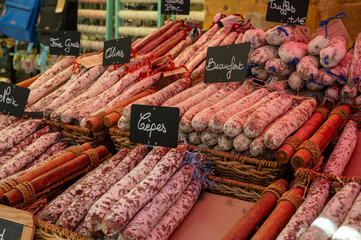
x,y
116,51
65,43
287,11
16,224
13,99
227,63
178,7
154,125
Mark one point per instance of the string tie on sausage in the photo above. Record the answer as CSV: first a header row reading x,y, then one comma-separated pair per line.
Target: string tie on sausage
x,y
290,25
352,47
296,61
276,188
253,76
291,197
325,59
324,23
273,68
356,80
335,75
313,81
281,29
269,80
250,66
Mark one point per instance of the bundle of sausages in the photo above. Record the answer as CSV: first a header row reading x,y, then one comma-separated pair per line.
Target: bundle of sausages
x,y
25,144
142,194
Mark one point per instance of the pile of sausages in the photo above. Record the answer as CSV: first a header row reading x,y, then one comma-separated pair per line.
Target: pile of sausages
x,y
142,194
25,145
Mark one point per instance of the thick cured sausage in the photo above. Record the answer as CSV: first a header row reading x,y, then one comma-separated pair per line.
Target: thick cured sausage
x,y
142,224
195,138
307,69
278,67
289,124
262,54
262,117
126,208
225,143
180,97
216,123
99,209
241,143
234,125
317,44
296,82
58,206
280,35
331,55
292,52
256,37
209,138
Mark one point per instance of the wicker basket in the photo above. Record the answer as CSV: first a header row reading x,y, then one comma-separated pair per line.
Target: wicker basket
x,y
79,134
121,139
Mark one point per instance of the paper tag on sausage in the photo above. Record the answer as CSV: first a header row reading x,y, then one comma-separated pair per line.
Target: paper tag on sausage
x,y
334,29
91,61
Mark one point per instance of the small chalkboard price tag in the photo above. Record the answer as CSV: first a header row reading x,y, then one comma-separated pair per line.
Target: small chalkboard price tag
x,y
177,7
287,11
116,51
154,125
65,43
16,224
226,63
13,99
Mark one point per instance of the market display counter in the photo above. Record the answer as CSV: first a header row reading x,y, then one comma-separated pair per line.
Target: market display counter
x,y
211,217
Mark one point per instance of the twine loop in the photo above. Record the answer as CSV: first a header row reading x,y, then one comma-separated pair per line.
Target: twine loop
x,y
9,185
76,150
291,197
324,23
101,116
341,113
323,111
293,141
313,148
27,191
276,188
93,158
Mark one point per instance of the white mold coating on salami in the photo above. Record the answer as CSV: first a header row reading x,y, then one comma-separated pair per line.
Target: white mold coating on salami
x,y
195,138
260,73
256,37
331,55
317,44
277,35
307,69
225,143
262,54
209,138
126,208
333,214
345,146
292,52
241,143
276,83
296,82
276,66
307,212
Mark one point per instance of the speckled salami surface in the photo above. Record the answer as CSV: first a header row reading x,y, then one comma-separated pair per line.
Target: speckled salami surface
x,y
180,97
217,121
277,35
29,154
50,152
288,124
99,209
175,215
307,69
199,71
256,37
277,66
277,83
77,210
315,45
262,117
185,123
331,55
22,145
201,96
141,225
333,214
52,71
174,52
195,138
126,208
234,125
241,143
209,138
225,143
295,81
307,212
54,82
61,202
17,133
123,124
262,54
290,51
201,119
6,121
260,73
81,229
351,227
345,146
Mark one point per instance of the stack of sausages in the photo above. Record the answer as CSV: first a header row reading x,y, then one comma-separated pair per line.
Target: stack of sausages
x,y
142,194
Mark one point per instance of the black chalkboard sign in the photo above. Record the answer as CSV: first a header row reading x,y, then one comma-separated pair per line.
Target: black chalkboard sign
x,y
13,99
226,63
10,230
65,43
178,7
287,11
116,51
154,125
